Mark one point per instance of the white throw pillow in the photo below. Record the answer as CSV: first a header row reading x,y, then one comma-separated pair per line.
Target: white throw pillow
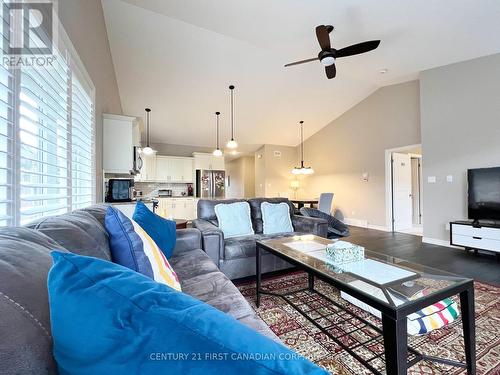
x,y
234,219
276,218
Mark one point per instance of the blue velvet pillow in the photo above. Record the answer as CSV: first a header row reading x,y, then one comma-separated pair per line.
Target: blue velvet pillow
x,y
107,319
125,244
161,230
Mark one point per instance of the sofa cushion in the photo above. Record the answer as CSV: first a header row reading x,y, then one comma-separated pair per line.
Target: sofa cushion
x,y
201,279
244,247
255,207
98,307
206,208
78,231
25,334
98,211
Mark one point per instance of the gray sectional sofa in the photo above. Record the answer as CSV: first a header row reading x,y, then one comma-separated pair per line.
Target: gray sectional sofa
x,y
25,335
235,256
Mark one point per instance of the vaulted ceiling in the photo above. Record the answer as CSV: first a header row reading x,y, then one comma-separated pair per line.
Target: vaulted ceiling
x,y
179,57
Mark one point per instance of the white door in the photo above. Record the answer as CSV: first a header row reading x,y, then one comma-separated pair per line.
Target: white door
x,y
402,200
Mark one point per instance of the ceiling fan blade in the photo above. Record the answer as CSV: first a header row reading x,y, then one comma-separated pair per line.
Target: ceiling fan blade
x,y
331,71
301,62
323,36
356,49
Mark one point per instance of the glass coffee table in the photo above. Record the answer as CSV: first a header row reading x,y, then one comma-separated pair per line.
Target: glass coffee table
x,y
394,287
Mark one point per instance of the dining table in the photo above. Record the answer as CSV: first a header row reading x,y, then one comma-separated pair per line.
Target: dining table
x,y
302,202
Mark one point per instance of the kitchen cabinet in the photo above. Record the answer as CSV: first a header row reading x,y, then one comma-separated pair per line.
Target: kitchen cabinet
x,y
161,168
148,170
208,162
177,208
120,135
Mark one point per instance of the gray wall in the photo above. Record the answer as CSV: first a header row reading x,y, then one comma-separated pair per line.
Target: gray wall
x,y
273,172
355,143
84,23
460,109
241,173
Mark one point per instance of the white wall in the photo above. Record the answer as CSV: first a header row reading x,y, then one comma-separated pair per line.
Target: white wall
x,y
84,23
460,107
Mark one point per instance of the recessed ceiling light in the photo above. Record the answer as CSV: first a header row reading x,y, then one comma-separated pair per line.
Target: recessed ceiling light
x,y
383,71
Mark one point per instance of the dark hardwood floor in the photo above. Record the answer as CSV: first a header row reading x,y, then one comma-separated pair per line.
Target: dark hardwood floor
x,y
481,267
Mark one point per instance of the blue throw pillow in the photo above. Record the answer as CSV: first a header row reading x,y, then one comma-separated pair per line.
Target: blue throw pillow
x,y
234,219
107,319
125,244
161,230
276,218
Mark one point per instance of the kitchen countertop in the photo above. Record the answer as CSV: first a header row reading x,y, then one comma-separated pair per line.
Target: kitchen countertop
x,y
176,196
147,200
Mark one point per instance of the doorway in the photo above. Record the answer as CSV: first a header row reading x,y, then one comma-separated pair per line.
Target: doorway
x,y
404,187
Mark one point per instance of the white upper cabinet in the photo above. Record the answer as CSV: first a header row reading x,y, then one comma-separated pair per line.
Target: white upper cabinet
x,y
148,170
208,162
120,135
174,169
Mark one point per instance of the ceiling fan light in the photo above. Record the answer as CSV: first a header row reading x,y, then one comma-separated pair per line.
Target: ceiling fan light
x,y
232,144
328,60
217,152
148,151
296,170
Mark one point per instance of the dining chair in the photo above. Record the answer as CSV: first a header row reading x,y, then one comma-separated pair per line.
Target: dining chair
x,y
325,203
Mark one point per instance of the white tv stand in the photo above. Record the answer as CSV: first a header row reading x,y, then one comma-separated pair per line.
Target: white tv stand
x,y
476,236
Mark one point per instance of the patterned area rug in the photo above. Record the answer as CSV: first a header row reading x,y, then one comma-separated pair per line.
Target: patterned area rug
x,y
302,336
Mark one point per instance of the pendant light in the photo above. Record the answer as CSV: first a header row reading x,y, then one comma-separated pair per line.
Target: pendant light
x,y
217,152
232,143
148,150
302,169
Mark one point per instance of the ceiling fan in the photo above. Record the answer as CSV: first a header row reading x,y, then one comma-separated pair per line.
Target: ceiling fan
x,y
328,54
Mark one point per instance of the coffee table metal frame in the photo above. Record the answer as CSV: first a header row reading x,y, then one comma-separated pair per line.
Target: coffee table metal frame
x,y
394,319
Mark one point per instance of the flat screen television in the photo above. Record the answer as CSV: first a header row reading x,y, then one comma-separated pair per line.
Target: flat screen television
x,y
484,193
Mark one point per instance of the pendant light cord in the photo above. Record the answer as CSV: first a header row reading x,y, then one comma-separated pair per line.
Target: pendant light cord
x,y
302,144
232,112
217,129
148,115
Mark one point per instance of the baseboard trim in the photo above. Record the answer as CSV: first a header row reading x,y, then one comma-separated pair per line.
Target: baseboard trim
x,y
435,241
364,224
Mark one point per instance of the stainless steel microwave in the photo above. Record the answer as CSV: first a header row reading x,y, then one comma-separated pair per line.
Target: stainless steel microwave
x,y
120,190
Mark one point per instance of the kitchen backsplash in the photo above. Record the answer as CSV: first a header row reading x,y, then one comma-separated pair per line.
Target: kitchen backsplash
x,y
150,189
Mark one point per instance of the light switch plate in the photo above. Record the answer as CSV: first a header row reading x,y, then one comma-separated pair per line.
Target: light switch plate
x,y
449,178
431,179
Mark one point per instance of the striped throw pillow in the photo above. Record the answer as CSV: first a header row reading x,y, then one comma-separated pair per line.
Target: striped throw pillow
x,y
162,271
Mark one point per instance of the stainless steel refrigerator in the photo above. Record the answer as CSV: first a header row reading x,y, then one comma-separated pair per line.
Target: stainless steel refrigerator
x,y
210,184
